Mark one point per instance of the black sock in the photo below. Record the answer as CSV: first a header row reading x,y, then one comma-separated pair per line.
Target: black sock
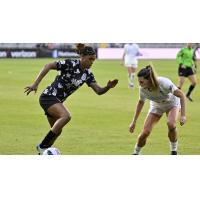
x,y
190,90
49,140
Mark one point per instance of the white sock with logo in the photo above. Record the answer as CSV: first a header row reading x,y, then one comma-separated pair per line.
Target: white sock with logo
x,y
137,150
130,80
174,146
132,76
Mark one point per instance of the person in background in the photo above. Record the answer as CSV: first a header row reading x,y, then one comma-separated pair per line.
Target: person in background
x,y
72,74
185,59
196,50
130,61
164,97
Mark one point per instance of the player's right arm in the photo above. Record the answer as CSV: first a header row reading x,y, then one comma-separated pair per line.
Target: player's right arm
x,y
123,56
178,93
39,78
139,107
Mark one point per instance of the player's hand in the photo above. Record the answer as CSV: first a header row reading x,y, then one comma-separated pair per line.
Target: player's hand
x,y
182,120
112,84
30,88
132,127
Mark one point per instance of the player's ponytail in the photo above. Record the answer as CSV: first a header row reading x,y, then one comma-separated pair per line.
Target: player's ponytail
x,y
83,50
153,77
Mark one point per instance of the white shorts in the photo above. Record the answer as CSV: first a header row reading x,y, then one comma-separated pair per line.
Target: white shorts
x,y
161,108
131,62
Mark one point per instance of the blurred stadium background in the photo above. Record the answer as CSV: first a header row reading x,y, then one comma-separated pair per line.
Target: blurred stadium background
x,y
41,50
99,124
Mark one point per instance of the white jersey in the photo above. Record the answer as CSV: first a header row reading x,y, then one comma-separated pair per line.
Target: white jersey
x,y
131,52
162,99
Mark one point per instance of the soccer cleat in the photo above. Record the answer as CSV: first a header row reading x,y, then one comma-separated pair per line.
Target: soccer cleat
x,y
40,150
130,85
189,98
135,153
174,153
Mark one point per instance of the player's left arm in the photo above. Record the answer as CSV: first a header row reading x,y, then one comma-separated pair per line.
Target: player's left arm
x,y
123,56
102,90
178,93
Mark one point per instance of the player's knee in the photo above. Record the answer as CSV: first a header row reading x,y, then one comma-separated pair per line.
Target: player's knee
x,y
145,134
194,83
66,117
171,126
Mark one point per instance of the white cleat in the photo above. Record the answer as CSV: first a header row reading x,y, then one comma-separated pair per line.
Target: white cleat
x,y
130,85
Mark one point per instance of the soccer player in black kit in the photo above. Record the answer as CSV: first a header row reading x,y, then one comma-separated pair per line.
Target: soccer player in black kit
x,y
73,73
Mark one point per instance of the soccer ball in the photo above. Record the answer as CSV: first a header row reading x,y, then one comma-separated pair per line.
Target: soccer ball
x,y
51,151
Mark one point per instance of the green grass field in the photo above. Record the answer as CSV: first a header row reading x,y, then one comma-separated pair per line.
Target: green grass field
x,y
99,124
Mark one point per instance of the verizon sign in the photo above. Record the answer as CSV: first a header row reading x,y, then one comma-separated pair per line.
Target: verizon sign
x,y
18,54
23,54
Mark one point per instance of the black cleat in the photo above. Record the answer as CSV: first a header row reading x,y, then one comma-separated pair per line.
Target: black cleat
x,y
174,153
189,98
40,150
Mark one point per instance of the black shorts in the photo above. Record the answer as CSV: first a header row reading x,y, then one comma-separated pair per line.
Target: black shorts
x,y
47,101
185,71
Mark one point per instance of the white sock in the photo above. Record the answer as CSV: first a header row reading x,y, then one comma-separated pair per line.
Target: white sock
x,y
132,76
173,146
137,150
130,81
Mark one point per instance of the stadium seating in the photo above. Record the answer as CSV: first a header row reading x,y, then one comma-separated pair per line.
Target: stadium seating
x,y
95,45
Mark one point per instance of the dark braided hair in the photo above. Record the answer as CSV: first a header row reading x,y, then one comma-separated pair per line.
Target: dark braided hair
x,y
84,50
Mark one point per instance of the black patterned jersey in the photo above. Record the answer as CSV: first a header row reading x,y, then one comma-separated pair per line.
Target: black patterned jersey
x,y
70,77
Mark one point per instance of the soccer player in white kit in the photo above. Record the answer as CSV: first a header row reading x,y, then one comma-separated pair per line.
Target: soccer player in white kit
x,y
130,60
164,97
